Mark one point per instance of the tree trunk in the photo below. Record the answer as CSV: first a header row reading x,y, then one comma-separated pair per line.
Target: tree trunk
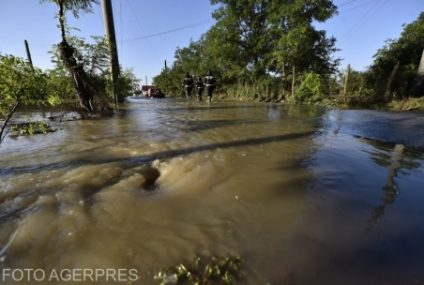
x,y
283,82
85,90
293,81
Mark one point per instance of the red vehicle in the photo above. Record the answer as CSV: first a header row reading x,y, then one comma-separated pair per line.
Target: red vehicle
x,y
145,89
151,91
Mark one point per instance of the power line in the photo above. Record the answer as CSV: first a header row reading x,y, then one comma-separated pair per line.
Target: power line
x,y
141,27
189,26
371,12
359,6
347,3
135,16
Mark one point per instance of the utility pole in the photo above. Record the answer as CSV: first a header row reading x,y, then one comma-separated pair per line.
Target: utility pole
x,y
28,54
146,81
113,50
166,79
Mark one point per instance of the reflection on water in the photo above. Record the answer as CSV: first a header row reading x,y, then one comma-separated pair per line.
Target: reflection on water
x,y
390,190
292,190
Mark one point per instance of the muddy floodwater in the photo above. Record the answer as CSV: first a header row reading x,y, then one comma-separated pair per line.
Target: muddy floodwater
x,y
303,195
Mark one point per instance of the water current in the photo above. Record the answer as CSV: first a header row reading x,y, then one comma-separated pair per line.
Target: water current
x,y
303,195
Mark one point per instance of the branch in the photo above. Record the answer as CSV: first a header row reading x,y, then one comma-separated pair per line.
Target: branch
x,y
9,116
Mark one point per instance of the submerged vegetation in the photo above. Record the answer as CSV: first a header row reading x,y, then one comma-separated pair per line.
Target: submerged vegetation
x,y
31,128
225,271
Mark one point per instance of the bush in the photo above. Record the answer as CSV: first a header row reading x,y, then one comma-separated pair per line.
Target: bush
x,y
362,97
312,89
19,82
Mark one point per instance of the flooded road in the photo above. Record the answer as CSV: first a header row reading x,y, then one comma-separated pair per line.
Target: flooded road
x,y
303,195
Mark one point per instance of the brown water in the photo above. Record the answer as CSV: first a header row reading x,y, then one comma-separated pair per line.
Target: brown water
x,y
300,194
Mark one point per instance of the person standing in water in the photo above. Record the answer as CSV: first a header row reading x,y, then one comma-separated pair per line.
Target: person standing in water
x,y
210,83
199,88
188,85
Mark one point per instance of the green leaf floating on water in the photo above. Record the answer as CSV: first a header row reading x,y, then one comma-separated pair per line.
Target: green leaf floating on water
x,y
202,271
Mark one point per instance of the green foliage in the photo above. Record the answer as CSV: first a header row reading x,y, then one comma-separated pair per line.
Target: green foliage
x,y
31,128
252,42
362,96
186,60
60,87
213,271
407,50
75,6
20,83
94,55
408,104
358,92
241,36
369,87
128,83
23,85
312,89
298,43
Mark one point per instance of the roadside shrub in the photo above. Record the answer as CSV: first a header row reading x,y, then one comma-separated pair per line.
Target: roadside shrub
x,y
19,82
362,97
312,89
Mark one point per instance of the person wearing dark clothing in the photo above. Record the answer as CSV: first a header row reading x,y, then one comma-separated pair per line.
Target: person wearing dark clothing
x,y
188,85
210,83
199,87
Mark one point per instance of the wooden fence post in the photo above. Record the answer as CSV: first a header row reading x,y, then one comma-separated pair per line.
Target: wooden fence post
x,y
293,80
388,93
346,84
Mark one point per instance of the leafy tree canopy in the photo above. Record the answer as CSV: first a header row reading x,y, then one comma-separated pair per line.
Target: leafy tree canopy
x,y
406,50
75,6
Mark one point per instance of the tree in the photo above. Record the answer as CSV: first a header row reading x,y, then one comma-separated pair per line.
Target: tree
x,y
298,43
407,52
128,83
240,39
94,56
20,84
312,89
189,59
255,41
68,54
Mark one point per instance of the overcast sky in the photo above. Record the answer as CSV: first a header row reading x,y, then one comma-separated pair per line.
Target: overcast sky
x,y
149,31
